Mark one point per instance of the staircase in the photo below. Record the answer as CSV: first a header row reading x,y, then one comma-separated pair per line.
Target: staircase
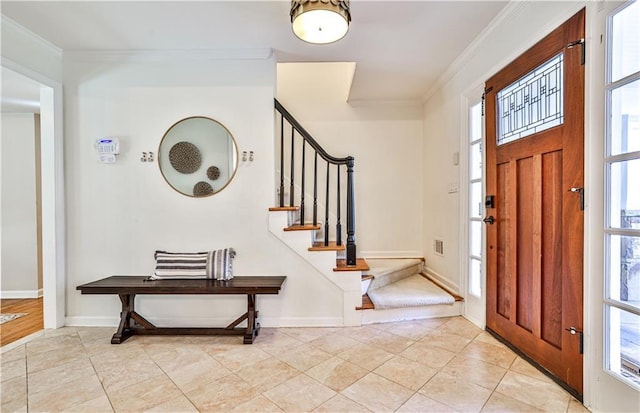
x,y
399,290
327,260
310,223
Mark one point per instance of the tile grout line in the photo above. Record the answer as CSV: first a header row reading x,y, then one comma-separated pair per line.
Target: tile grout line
x,y
498,384
97,375
26,376
170,379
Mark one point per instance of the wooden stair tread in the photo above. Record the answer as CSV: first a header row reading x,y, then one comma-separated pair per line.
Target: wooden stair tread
x,y
455,296
361,265
285,208
366,303
302,228
319,246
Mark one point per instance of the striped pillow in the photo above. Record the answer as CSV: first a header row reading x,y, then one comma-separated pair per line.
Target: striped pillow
x,y
216,265
180,265
220,264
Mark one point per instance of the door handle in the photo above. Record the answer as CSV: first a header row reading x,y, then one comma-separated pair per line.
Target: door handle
x,y
489,220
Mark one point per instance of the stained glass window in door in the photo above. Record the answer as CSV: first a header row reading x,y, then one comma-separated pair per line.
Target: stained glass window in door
x,y
533,103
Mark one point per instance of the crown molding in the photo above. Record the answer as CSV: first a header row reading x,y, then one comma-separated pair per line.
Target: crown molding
x,y
11,25
512,8
166,55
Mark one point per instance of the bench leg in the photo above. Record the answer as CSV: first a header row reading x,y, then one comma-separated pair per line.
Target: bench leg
x,y
253,328
123,332
129,320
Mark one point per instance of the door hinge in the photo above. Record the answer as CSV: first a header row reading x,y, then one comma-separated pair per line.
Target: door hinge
x,y
581,192
583,47
574,331
484,96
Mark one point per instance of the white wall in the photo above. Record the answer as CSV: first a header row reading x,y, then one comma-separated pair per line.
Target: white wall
x,y
386,142
19,275
119,214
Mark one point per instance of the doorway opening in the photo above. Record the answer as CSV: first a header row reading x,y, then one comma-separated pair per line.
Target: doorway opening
x,y
51,206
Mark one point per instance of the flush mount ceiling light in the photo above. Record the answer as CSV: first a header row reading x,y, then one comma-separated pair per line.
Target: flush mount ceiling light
x,y
320,21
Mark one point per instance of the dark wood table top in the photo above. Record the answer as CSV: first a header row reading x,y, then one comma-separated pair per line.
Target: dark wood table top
x,y
136,284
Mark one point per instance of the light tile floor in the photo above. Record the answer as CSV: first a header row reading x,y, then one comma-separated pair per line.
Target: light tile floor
x,y
437,365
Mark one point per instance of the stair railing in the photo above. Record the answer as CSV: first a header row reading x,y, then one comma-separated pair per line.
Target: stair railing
x,y
348,163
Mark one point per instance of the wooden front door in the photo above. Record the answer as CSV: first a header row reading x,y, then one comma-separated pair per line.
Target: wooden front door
x,y
535,172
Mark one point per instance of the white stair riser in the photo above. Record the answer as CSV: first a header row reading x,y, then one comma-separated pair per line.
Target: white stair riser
x,y
389,278
324,262
365,285
411,313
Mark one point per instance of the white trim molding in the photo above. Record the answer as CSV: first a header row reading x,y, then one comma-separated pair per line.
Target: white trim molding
x,y
10,24
20,294
269,322
168,55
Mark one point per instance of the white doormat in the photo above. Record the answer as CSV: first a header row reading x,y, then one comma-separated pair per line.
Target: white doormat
x,y
413,291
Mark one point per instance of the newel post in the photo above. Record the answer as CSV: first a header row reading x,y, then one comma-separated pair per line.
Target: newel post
x,y
351,214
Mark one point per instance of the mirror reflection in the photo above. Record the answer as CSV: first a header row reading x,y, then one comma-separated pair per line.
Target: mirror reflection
x,y
198,156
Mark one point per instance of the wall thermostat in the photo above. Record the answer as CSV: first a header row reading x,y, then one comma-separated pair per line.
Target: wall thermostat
x,y
107,149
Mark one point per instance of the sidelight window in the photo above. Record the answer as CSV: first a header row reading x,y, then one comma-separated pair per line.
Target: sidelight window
x,y
475,201
622,232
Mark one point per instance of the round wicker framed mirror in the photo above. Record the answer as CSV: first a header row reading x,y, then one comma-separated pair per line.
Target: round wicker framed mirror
x,y
198,156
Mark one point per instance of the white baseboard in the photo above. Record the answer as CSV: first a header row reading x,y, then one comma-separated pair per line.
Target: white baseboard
x,y
17,294
92,322
392,254
209,322
478,323
302,322
443,281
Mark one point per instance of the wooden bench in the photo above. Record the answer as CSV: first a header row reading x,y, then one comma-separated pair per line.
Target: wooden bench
x,y
131,322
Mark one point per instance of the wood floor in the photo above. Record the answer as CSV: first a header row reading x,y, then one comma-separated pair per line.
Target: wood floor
x,y
23,326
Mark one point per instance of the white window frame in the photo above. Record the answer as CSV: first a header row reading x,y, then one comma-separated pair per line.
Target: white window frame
x,y
610,231
474,308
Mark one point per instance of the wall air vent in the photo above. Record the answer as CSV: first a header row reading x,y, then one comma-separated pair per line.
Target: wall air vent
x,y
438,247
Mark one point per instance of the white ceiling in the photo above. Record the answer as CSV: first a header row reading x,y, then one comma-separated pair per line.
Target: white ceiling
x,y
400,48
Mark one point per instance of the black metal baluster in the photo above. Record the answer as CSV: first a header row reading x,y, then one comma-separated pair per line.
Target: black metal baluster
x,y
351,216
281,161
326,212
338,224
293,133
315,189
302,187
351,250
